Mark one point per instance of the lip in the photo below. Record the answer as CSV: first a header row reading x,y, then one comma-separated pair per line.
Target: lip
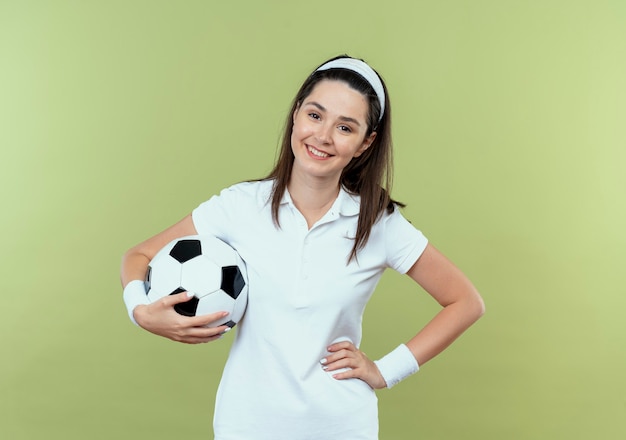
x,y
311,148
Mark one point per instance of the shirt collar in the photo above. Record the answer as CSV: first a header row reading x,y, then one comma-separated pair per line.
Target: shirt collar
x,y
346,204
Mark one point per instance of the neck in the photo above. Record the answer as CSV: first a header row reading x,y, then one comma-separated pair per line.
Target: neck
x,y
313,198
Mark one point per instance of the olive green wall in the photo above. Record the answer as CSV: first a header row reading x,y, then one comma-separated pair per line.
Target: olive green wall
x,y
118,117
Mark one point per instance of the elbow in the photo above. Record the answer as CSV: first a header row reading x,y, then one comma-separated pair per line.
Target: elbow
x,y
132,254
473,305
127,256
478,306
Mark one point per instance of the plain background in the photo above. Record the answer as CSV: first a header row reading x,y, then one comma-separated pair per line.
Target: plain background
x,y
117,118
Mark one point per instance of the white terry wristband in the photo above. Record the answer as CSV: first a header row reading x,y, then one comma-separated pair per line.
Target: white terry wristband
x,y
135,295
397,365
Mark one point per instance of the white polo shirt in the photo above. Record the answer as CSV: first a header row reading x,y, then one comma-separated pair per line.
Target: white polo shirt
x,y
302,297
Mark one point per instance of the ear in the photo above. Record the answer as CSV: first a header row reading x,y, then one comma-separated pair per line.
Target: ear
x,y
367,142
295,113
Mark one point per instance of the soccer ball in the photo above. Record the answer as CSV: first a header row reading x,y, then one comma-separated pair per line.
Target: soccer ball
x,y
205,266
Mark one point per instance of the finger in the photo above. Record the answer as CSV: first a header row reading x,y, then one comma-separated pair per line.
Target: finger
x,y
195,341
169,301
207,332
339,364
197,335
343,345
177,298
337,355
343,358
346,374
206,320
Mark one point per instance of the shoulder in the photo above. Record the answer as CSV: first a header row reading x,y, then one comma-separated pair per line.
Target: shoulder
x,y
234,205
391,219
258,190
404,242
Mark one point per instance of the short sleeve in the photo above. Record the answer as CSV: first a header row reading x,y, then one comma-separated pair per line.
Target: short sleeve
x,y
404,243
216,215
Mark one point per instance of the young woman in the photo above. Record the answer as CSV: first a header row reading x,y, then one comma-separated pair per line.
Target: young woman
x,y
316,235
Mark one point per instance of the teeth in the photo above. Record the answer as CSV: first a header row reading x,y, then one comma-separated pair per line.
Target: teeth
x,y
317,152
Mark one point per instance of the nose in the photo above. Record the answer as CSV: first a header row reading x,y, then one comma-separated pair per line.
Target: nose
x,y
324,133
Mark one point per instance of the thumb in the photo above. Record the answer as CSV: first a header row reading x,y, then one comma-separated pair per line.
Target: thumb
x,y
185,303
177,298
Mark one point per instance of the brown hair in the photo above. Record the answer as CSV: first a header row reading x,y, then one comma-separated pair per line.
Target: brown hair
x,y
369,176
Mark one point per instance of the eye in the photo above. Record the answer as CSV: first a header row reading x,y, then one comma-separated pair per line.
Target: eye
x,y
345,129
314,115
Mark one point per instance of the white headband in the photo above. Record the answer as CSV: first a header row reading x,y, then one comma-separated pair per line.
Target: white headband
x,y
363,70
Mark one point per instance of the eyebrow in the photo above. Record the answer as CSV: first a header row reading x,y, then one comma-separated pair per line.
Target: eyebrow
x,y
322,108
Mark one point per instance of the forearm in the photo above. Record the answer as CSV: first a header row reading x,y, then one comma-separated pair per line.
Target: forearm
x,y
445,328
134,266
135,261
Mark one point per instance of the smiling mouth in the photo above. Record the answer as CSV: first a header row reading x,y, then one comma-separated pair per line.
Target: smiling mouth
x,y
316,152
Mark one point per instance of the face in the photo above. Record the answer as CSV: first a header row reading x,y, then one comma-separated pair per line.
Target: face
x,y
329,130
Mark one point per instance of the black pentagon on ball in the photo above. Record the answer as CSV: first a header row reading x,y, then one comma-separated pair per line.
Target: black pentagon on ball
x,y
232,281
185,250
187,308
